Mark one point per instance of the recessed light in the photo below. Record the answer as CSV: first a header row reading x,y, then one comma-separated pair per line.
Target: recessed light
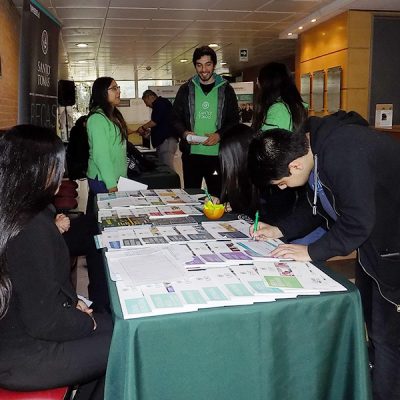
x,y
314,20
290,34
82,45
300,28
213,45
183,60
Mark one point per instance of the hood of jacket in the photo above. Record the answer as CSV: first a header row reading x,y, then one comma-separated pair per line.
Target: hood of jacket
x,y
219,80
321,129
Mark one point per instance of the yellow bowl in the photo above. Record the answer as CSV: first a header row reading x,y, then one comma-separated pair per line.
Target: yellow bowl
x,y
213,211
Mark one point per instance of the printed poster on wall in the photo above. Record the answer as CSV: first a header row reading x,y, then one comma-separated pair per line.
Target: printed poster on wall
x,y
38,74
244,92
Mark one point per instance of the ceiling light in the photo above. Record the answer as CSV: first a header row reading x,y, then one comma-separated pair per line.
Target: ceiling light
x,y
223,63
300,28
314,20
213,45
183,60
82,62
290,34
81,45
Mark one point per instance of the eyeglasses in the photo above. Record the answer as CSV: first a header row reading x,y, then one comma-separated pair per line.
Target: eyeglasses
x,y
114,88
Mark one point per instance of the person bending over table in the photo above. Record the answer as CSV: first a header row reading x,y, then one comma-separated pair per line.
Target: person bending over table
x,y
48,337
354,191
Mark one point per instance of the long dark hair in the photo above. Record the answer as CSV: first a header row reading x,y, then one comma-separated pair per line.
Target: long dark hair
x,y
236,185
275,83
31,170
99,99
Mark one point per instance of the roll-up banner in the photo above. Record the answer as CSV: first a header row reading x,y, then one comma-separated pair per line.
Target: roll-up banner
x,y
38,71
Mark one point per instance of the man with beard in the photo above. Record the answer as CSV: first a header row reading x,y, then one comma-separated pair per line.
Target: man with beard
x,y
204,108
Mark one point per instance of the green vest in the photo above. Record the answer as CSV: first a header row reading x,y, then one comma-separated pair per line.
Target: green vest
x,y
205,116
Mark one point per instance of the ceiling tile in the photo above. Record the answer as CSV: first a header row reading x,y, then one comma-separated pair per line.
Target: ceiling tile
x,y
239,4
79,3
258,16
83,23
196,4
81,13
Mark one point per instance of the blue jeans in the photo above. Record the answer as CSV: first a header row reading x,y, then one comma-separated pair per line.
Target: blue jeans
x,y
95,186
311,237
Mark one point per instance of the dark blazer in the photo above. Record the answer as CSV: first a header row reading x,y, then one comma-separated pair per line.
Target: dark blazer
x,y
43,299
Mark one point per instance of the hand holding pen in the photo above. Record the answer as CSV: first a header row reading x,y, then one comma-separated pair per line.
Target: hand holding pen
x,y
263,231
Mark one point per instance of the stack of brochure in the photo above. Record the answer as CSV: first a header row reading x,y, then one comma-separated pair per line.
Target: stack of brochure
x,y
145,198
152,281
164,262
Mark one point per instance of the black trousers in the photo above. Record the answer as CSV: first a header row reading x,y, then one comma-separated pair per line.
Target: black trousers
x,y
196,167
80,242
383,325
40,364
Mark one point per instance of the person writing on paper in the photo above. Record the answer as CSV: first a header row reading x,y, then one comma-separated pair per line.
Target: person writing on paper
x,y
205,106
353,191
107,134
48,337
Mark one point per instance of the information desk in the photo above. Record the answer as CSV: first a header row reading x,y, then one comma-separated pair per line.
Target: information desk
x,y
309,348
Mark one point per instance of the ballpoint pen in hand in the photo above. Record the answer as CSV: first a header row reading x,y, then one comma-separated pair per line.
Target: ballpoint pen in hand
x,y
255,224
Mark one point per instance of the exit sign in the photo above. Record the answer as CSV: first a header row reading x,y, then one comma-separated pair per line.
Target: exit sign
x,y
243,55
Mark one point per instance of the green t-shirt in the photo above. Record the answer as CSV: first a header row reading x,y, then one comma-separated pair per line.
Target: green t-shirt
x,y
279,116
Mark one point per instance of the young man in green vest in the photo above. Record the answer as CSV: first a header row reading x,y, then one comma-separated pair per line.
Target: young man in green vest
x,y
204,108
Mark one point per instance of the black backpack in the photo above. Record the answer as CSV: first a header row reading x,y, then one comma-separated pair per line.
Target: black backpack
x,y
137,163
78,150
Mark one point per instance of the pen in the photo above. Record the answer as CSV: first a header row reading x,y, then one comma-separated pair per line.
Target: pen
x,y
255,224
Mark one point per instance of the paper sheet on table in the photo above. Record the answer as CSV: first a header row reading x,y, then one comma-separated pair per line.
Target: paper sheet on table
x,y
125,184
152,268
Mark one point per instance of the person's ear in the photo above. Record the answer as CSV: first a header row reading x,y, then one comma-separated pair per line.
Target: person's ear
x,y
296,166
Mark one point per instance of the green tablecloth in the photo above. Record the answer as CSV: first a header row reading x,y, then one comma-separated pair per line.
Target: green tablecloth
x,y
309,348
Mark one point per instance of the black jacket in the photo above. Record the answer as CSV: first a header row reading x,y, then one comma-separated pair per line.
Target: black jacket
x,y
183,111
359,170
43,299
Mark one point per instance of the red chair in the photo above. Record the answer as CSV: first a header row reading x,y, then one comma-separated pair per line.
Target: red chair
x,y
50,394
65,199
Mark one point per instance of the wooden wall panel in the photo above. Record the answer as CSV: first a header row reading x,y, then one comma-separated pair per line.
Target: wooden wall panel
x,y
343,41
9,53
